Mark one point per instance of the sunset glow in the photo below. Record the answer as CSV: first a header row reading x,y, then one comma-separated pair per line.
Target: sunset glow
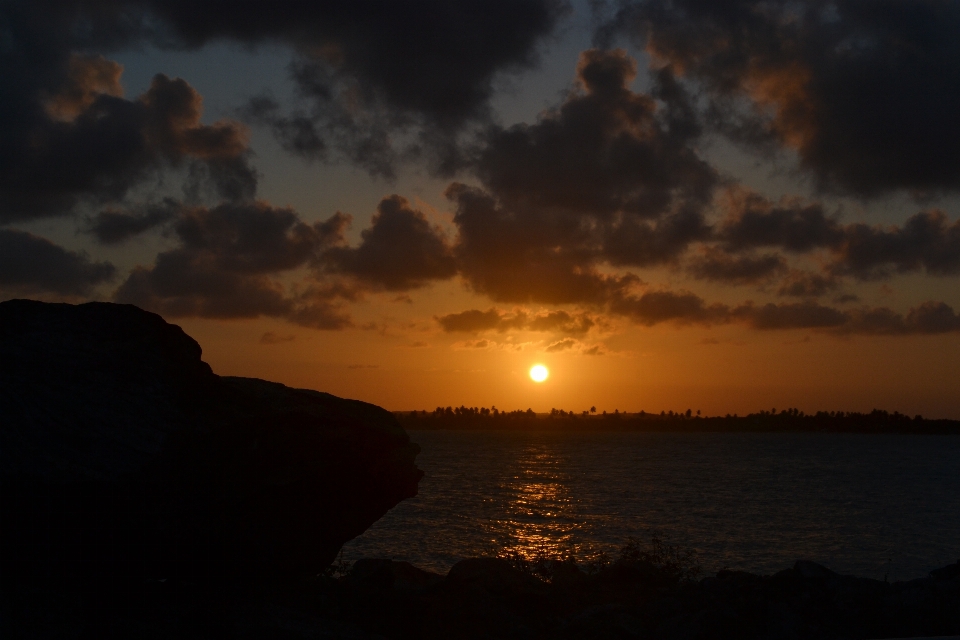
x,y
359,237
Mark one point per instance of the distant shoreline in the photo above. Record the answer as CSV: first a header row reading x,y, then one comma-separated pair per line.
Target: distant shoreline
x,y
787,421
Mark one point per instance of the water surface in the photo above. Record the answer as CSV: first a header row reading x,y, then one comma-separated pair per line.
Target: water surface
x,y
869,505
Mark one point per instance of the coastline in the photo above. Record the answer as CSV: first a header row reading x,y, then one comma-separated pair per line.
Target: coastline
x,y
482,419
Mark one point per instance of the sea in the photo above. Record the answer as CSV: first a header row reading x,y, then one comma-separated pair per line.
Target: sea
x,y
876,506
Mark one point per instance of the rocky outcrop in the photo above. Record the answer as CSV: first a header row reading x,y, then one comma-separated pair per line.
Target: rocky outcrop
x,y
119,445
493,599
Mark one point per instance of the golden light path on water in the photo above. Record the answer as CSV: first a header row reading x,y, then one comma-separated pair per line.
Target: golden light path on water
x,y
541,515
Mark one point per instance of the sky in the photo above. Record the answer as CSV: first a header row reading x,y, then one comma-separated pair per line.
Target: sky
x,y
723,206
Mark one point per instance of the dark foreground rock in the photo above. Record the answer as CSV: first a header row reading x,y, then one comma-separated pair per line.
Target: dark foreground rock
x,y
120,449
489,598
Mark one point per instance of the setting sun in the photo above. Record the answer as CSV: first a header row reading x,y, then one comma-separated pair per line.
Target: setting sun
x,y
539,373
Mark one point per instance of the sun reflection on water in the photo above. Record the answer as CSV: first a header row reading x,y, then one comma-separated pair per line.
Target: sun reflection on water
x,y
541,515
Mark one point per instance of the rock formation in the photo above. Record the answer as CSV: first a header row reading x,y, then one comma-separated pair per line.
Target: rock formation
x,y
121,448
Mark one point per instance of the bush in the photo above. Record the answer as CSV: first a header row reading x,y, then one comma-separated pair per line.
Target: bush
x,y
677,562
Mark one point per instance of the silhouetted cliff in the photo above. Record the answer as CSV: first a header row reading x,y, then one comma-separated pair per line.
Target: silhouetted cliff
x,y
119,445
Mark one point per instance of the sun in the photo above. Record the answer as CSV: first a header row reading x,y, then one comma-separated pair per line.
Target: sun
x,y
538,373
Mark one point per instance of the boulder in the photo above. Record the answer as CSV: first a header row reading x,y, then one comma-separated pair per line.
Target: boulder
x,y
119,445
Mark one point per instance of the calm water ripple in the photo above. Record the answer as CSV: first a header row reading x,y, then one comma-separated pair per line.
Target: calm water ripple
x,y
869,505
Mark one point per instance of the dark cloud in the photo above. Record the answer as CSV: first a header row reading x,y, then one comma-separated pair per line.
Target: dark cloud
x,y
272,338
655,307
865,92
400,250
609,177
929,318
367,71
68,137
926,240
792,224
471,321
475,321
605,151
803,284
717,265
114,227
681,308
226,267
32,265
797,315
527,256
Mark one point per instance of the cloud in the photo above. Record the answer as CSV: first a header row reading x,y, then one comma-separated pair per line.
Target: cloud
x,y
792,224
476,321
805,284
116,226
862,91
382,84
400,250
605,151
609,177
88,77
716,265
926,241
69,138
471,321
377,83
561,345
272,338
226,267
526,257
30,265
655,307
682,308
795,315
574,346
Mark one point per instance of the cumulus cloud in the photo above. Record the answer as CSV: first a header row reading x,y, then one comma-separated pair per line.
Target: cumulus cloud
x,y
68,137
423,69
863,91
401,250
926,241
792,224
605,151
31,265
805,284
655,307
113,226
571,345
609,177
683,308
226,267
476,321
714,264
367,74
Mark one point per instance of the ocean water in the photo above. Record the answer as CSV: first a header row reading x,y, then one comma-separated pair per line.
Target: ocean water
x,y
879,506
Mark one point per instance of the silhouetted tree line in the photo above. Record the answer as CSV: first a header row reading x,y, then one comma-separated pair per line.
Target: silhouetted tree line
x,y
792,419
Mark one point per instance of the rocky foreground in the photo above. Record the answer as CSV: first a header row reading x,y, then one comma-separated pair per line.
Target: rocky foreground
x,y
487,598
143,496
122,451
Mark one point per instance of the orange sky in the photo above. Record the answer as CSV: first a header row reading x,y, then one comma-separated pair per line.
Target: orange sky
x,y
729,211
